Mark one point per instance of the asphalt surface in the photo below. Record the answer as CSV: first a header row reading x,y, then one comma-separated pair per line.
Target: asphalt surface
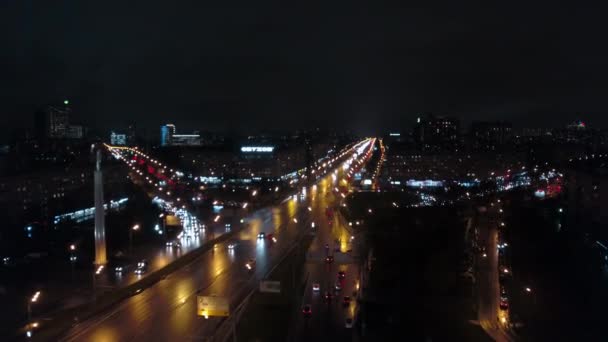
x,y
333,238
488,286
166,311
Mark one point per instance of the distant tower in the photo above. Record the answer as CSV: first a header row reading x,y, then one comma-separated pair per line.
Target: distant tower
x,y
100,226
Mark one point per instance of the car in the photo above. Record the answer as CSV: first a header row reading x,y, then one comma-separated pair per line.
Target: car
x,y
231,245
348,323
306,310
119,269
328,296
504,303
341,275
329,259
142,267
316,287
261,235
250,264
175,244
346,300
337,287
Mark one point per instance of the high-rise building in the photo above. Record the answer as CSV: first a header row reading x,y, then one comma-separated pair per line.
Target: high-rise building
x,y
490,136
75,132
118,139
166,134
169,137
186,139
53,122
437,133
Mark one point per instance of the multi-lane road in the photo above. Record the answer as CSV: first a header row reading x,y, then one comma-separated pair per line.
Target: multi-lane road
x,y
167,310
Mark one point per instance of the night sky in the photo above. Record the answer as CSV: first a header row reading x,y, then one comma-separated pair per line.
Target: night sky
x,y
245,67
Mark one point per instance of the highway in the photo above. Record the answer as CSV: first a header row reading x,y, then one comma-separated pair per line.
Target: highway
x,y
167,310
333,238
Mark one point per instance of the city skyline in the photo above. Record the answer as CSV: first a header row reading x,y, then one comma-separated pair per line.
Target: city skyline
x,y
298,172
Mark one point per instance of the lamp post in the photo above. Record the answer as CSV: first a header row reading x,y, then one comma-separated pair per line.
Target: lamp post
x,y
162,221
72,258
95,274
34,299
529,291
134,228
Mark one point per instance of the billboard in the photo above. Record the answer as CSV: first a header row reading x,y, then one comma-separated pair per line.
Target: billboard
x,y
209,306
270,286
172,220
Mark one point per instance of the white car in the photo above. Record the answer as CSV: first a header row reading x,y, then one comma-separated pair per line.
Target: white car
x,y
316,287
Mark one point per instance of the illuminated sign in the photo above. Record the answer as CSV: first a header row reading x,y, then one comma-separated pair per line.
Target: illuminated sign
x,y
212,306
270,286
424,183
257,149
367,182
394,134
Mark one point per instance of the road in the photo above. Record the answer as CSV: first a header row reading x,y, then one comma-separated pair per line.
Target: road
x,y
489,314
167,310
332,238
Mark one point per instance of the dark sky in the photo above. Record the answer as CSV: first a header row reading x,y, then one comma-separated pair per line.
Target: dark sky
x,y
223,65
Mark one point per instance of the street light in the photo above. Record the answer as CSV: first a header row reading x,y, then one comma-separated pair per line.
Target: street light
x,y
134,228
34,299
96,273
72,259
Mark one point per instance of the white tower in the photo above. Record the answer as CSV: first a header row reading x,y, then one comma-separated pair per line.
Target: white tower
x,y
100,225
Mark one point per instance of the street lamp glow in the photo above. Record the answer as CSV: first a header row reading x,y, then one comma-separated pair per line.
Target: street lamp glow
x,y
245,205
72,247
528,289
295,220
255,192
216,218
99,269
35,297
135,227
